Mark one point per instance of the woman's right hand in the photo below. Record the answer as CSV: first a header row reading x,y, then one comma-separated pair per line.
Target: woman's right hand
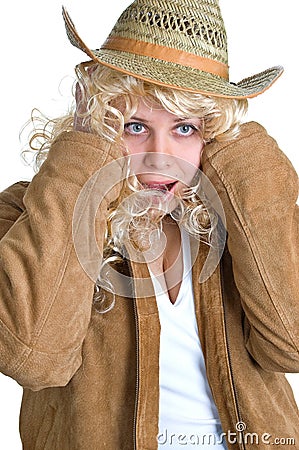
x,y
82,122
81,119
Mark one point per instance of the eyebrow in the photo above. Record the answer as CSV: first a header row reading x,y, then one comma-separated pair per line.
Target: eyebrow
x,y
179,119
138,119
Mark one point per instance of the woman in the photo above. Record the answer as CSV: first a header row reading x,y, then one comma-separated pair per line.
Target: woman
x,y
140,351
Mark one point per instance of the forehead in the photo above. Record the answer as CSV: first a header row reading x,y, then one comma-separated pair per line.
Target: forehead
x,y
150,110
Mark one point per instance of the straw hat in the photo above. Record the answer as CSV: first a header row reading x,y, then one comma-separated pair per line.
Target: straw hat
x,y
176,43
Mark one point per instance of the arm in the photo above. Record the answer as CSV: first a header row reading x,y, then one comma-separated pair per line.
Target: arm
x,y
258,188
45,295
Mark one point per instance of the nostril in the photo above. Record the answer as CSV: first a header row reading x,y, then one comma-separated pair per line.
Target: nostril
x,y
157,160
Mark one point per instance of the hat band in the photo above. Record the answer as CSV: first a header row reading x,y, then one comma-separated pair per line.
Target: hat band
x,y
167,54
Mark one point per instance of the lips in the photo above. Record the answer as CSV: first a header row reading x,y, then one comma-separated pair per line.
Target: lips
x,y
167,186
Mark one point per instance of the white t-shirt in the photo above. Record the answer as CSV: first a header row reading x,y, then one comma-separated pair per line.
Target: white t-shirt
x,y
188,417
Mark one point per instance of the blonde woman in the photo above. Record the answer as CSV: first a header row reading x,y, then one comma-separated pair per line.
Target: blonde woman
x,y
129,316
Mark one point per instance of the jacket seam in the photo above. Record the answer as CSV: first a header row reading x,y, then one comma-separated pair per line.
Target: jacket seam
x,y
27,350
53,295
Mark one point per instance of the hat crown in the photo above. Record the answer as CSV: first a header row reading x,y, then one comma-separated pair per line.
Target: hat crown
x,y
180,44
191,26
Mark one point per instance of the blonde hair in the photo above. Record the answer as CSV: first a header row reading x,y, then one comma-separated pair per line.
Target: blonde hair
x,y
110,98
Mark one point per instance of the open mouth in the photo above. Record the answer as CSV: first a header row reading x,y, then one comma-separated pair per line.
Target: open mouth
x,y
166,187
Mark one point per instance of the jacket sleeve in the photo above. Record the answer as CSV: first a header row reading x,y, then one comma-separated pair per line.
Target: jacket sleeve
x,y
258,188
45,295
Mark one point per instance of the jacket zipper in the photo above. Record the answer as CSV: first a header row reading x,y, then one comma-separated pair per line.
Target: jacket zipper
x,y
137,375
233,387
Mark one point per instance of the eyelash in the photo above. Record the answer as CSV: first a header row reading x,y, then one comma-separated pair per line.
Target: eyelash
x,y
130,124
190,125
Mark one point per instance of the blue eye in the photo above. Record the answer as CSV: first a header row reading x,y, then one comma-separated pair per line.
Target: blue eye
x,y
134,128
186,130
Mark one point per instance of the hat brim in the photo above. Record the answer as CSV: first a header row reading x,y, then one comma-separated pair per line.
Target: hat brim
x,y
185,78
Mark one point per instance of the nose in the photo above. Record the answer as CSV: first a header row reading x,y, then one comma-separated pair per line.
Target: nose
x,y
158,152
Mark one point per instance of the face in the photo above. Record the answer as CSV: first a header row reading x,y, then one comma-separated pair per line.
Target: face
x,y
166,149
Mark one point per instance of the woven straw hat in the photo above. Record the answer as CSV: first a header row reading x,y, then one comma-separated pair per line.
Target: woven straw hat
x,y
176,43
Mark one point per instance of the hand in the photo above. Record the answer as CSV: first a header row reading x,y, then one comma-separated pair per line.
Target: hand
x,y
81,119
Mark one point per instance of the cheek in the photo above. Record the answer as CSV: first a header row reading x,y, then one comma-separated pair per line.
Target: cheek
x,y
191,161
135,144
193,154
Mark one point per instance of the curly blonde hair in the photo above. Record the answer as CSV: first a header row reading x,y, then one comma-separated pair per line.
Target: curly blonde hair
x,y
110,98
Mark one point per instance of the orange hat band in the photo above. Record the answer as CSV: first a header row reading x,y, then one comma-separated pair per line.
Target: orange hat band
x,y
167,54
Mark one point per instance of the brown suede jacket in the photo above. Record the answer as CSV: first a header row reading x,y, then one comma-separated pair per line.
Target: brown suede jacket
x,y
91,380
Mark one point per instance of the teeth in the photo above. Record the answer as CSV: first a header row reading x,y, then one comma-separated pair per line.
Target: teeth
x,y
160,187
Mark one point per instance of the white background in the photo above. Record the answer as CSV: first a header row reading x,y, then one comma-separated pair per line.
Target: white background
x,y
36,58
